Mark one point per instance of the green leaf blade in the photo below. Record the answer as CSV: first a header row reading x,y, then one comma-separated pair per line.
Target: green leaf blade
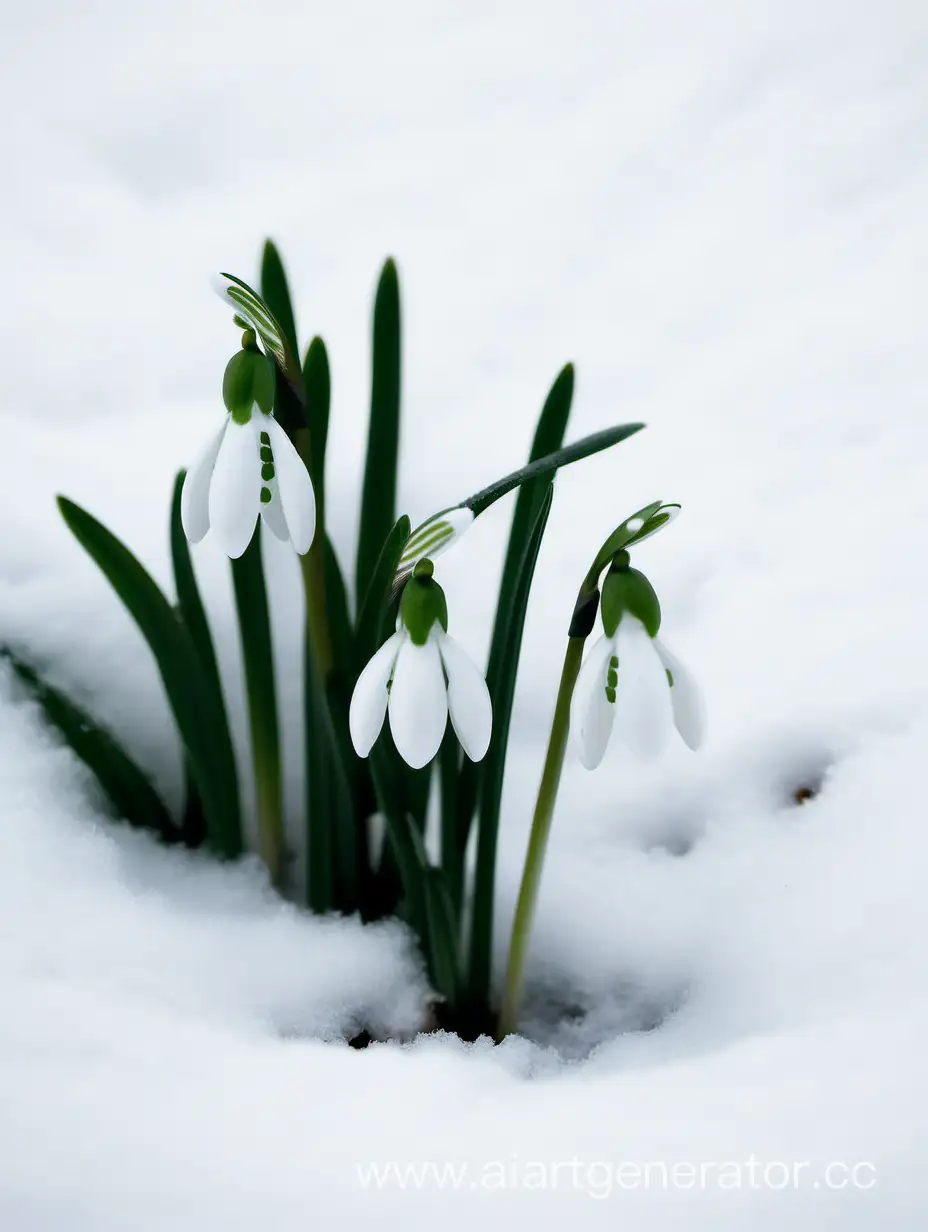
x,y
275,291
583,448
548,439
379,593
378,499
443,935
317,386
254,620
126,786
481,949
189,601
181,672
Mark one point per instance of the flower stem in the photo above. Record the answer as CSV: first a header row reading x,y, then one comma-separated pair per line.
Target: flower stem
x,y
320,828
538,840
312,567
258,656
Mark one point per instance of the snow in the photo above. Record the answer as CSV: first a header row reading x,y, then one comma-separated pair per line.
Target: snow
x,y
717,212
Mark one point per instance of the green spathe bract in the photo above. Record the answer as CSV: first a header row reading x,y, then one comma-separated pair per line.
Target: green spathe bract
x,y
422,604
448,903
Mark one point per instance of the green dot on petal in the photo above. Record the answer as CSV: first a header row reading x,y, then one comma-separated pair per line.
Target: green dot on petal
x,y
267,471
265,496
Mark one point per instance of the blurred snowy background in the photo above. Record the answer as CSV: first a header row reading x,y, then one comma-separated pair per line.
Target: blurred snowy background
x,y
718,212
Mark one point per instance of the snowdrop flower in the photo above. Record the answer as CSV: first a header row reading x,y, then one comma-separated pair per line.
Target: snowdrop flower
x,y
250,467
421,675
630,679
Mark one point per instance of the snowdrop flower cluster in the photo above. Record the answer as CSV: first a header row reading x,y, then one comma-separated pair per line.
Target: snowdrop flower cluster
x,y
250,467
421,675
259,467
630,680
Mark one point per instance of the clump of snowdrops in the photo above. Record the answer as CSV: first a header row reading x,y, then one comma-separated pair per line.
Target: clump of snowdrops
x,y
405,736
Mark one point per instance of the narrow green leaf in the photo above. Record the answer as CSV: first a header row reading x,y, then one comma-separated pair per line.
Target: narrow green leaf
x,y
405,844
443,935
377,597
548,439
350,846
191,606
333,853
317,385
276,293
417,787
336,602
481,951
442,946
193,822
193,614
451,784
351,774
584,448
378,500
320,823
127,787
254,621
182,674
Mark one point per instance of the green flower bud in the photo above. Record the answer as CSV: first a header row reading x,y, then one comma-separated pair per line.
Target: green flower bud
x,y
423,603
248,379
627,590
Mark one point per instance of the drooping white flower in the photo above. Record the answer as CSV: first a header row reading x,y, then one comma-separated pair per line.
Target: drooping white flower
x,y
630,680
419,676
249,467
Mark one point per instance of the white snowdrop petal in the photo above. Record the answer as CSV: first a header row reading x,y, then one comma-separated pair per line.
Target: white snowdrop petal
x,y
369,699
643,709
273,515
418,702
468,699
194,497
294,485
591,712
234,493
689,711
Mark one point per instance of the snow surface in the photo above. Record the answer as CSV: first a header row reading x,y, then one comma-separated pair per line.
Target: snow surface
x,y
718,211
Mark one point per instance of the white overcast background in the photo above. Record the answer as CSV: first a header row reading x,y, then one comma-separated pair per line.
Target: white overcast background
x,y
718,212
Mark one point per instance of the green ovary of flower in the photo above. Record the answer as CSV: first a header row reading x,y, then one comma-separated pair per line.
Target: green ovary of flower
x,y
248,381
628,591
423,603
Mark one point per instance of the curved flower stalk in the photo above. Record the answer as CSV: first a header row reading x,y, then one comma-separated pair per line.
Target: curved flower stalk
x,y
249,468
420,675
630,680
442,530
